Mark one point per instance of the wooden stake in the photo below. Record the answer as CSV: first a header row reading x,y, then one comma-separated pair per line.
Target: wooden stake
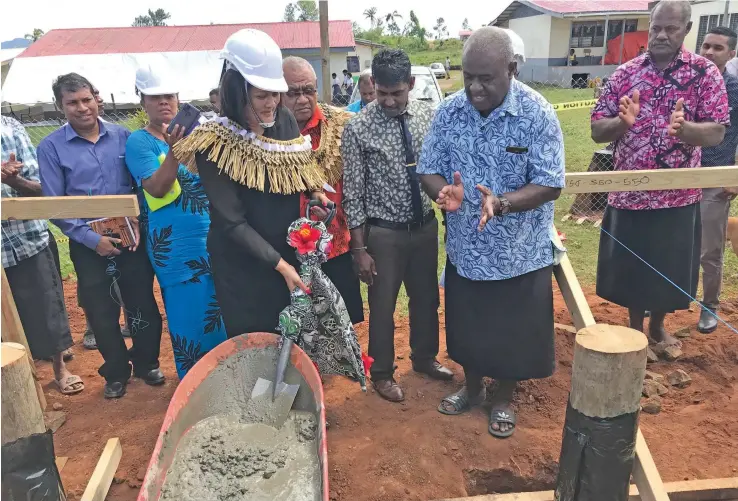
x,y
597,451
325,52
21,414
12,331
581,314
608,371
99,484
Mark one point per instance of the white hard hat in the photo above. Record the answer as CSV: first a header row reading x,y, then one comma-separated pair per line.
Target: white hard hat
x,y
155,80
517,45
257,58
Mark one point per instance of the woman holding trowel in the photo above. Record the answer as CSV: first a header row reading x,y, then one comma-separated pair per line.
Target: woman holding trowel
x,y
253,164
178,220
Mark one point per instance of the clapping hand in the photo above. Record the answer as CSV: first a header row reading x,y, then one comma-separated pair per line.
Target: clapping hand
x,y
11,168
489,202
676,124
451,195
630,107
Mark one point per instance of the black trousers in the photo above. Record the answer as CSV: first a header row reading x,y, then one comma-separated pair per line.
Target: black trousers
x,y
409,257
134,276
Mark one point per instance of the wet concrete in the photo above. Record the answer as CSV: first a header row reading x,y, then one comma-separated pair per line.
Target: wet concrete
x,y
230,446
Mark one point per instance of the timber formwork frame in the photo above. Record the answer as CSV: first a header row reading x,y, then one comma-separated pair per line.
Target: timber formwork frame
x,y
648,483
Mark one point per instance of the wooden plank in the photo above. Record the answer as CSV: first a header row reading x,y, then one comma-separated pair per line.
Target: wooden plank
x,y
722,489
69,207
645,180
574,297
645,474
12,331
61,463
102,477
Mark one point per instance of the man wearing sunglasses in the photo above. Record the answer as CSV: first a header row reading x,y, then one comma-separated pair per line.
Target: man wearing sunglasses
x,y
324,124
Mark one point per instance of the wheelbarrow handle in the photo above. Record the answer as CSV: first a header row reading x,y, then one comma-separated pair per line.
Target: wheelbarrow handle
x,y
318,203
282,361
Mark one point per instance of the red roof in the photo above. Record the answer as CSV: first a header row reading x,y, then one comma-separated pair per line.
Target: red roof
x,y
300,35
577,6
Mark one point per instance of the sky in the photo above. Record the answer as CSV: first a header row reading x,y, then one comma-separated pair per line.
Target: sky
x,y
20,17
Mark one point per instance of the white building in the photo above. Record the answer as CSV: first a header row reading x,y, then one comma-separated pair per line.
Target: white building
x,y
109,57
705,16
550,29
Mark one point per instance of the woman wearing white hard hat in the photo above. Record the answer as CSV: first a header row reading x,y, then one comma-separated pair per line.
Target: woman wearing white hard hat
x,y
177,222
253,164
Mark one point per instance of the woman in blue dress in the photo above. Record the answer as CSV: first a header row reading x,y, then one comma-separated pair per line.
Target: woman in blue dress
x,y
177,218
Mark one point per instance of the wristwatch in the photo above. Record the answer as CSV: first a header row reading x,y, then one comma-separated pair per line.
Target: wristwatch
x,y
504,206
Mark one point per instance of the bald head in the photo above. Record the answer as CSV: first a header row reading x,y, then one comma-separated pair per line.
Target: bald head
x,y
298,68
489,65
681,7
301,97
490,42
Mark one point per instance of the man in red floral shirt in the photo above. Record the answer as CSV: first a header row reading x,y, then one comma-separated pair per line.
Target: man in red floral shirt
x,y
660,109
324,125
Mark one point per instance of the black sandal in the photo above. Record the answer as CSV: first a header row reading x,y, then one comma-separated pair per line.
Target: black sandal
x,y
460,402
500,416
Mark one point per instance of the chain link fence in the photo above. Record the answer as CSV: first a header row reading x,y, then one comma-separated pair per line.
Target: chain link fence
x,y
572,96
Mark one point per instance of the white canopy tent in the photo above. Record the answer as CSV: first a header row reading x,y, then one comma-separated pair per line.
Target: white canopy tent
x,y
29,79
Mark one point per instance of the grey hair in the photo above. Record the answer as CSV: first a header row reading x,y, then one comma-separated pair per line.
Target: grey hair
x,y
295,63
365,77
490,39
683,5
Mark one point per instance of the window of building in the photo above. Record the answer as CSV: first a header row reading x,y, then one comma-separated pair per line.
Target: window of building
x,y
586,34
709,22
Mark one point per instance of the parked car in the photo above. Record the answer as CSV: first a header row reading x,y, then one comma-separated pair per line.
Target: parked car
x,y
426,87
438,70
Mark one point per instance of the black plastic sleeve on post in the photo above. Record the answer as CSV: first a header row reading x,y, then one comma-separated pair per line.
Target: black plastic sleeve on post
x,y
596,457
29,471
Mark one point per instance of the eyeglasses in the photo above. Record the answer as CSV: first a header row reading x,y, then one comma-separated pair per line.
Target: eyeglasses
x,y
296,93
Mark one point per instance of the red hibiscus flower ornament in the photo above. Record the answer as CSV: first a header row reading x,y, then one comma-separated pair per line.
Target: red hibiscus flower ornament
x,y
304,238
367,361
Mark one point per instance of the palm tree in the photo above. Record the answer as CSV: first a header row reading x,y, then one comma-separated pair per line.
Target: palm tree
x,y
392,25
37,33
371,15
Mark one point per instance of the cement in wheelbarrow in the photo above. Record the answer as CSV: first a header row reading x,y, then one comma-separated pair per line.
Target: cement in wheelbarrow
x,y
217,443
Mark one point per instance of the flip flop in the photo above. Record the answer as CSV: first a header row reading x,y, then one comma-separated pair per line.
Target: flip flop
x,y
500,416
88,341
460,402
67,385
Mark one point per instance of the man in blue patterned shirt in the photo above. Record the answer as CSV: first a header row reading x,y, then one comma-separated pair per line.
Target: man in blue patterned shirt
x,y
719,47
29,263
494,160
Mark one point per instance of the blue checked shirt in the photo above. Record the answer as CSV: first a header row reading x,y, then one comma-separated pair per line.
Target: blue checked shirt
x,y
21,239
519,143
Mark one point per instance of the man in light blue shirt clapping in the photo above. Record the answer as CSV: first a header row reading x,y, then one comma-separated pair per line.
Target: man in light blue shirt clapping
x,y
494,161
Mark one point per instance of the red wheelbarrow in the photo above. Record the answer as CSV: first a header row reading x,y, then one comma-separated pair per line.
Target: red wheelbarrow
x,y
207,390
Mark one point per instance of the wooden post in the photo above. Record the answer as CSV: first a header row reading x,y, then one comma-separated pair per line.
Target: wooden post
x,y
12,331
601,426
21,414
325,52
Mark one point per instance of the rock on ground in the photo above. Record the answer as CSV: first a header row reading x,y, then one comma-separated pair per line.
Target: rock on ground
x,y
653,389
679,378
655,376
652,405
